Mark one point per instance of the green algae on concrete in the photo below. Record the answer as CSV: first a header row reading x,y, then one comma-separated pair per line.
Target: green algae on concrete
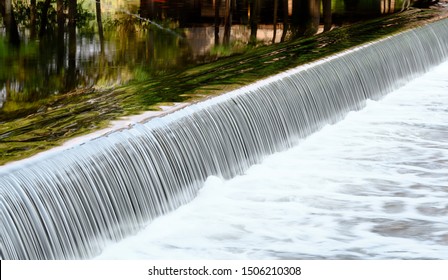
x,y
26,131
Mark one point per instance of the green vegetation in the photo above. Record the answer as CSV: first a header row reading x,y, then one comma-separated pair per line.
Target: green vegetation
x,y
31,128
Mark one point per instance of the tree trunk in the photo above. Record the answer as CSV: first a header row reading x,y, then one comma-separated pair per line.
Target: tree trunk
x,y
326,8
9,20
147,9
243,11
61,30
72,13
285,20
71,71
100,24
313,24
228,22
60,38
275,21
254,20
217,21
33,19
44,18
60,16
298,17
306,15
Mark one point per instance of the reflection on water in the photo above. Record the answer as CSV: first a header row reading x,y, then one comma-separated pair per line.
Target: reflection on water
x,y
142,39
28,127
2,96
39,70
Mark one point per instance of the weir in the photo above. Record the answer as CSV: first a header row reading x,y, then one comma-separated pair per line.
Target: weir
x,y
71,204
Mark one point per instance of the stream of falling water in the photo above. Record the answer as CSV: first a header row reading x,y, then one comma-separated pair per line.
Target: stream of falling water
x,y
373,186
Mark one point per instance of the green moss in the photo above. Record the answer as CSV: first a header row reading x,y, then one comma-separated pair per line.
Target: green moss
x,y
59,118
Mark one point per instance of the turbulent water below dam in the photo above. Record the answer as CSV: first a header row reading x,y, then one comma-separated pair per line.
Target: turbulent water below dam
x,y
373,186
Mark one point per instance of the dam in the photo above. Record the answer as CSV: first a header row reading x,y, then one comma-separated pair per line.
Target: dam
x,y
74,204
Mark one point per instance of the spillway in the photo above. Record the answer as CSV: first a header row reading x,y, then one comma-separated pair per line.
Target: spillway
x,y
71,204
372,186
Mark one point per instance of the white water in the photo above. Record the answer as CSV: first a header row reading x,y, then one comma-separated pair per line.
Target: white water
x,y
373,186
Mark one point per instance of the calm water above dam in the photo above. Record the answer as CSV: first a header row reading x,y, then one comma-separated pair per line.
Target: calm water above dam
x,y
373,186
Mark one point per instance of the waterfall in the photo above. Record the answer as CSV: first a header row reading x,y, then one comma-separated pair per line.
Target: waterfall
x,y
71,204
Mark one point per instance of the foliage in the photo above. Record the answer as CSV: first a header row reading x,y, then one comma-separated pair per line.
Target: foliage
x,y
22,12
84,18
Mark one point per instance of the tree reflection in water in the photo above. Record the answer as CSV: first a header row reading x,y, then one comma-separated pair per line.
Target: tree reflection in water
x,y
113,43
56,78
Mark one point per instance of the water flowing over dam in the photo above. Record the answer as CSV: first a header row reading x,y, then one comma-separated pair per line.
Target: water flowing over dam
x,y
372,186
71,204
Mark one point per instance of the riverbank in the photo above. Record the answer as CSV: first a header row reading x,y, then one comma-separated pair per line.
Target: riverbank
x,y
83,111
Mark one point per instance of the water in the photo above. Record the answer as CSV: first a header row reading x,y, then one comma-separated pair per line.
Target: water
x,y
71,204
133,48
142,40
373,186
